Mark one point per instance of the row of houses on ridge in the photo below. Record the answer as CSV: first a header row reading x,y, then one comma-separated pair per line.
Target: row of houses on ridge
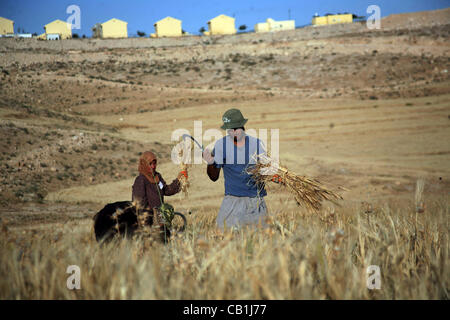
x,y
168,27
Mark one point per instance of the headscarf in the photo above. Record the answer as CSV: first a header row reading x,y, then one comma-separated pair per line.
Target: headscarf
x,y
144,166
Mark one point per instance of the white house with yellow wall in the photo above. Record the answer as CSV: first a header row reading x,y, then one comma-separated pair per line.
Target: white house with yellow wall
x,y
167,27
272,25
6,26
221,25
113,28
332,19
57,29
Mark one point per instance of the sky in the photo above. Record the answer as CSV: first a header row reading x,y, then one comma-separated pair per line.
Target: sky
x,y
32,15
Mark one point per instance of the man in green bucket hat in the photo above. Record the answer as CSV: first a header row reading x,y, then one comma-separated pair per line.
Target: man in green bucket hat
x,y
243,203
232,119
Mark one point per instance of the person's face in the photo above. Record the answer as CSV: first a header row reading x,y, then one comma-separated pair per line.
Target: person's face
x,y
153,165
237,134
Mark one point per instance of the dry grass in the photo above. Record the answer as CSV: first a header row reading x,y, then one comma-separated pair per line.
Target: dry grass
x,y
302,256
419,201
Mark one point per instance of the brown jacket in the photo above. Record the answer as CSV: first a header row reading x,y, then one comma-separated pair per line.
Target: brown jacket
x,y
146,195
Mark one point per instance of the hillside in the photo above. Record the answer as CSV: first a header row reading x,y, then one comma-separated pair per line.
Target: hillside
x,y
79,112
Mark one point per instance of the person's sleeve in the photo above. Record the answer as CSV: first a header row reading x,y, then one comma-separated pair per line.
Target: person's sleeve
x,y
218,154
170,189
261,148
216,163
138,193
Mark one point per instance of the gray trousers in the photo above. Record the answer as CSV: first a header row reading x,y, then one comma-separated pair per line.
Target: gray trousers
x,y
237,212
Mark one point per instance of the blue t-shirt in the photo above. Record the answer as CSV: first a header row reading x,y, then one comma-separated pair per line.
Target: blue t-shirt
x,y
235,161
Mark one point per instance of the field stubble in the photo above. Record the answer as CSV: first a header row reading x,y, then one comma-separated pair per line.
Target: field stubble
x,y
301,256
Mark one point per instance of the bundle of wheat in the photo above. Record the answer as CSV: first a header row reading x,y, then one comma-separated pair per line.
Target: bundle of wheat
x,y
308,193
183,151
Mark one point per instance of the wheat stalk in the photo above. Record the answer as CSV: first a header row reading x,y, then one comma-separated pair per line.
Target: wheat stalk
x,y
184,165
420,184
308,192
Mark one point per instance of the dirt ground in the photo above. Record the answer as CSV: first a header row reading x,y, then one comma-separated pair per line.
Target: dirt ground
x,y
365,109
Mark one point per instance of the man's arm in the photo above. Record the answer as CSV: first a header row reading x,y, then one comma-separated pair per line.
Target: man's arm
x,y
212,171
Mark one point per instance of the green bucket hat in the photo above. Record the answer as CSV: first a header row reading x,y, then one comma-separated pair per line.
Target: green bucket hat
x,y
233,119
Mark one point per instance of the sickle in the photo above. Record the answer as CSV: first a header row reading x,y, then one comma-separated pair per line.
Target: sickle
x,y
192,138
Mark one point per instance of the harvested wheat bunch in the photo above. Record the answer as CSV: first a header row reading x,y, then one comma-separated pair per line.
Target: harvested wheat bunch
x,y
183,151
308,193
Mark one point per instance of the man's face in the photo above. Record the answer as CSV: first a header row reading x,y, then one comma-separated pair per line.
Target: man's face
x,y
237,134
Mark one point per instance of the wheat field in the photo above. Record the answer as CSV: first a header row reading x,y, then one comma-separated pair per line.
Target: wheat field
x,y
300,256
